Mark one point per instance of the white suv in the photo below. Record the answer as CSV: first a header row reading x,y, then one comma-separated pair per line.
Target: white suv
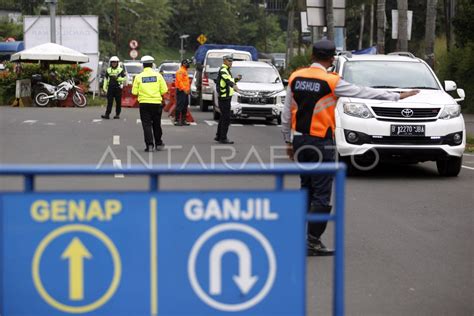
x,y
262,93
425,127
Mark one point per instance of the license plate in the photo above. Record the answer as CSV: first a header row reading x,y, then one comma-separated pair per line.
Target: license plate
x,y
407,130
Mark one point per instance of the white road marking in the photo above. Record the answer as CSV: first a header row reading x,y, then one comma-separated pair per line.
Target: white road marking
x,y
166,122
116,140
31,122
50,124
118,164
211,123
139,121
193,123
237,125
259,125
470,168
96,120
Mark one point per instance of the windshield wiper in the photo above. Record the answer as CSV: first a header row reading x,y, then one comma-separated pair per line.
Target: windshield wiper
x,y
387,87
426,88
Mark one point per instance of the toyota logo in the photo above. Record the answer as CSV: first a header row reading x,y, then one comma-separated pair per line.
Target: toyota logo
x,y
407,112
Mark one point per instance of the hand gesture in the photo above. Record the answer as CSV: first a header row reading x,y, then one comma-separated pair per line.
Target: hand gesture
x,y
407,94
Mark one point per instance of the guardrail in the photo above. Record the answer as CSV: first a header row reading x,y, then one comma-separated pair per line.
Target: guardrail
x,y
30,172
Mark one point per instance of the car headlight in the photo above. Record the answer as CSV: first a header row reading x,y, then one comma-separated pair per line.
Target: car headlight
x,y
358,110
450,111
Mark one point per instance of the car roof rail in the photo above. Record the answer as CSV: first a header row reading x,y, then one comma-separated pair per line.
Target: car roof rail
x,y
406,54
346,53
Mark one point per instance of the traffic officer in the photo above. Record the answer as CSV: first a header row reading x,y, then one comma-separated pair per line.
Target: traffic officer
x,y
150,86
225,87
183,88
308,116
113,84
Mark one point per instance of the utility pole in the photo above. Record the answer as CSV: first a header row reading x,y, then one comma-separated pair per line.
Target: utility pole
x,y
362,22
430,31
381,26
289,30
116,27
402,25
330,19
52,13
371,32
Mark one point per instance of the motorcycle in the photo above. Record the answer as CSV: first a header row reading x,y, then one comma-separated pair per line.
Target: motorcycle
x,y
47,93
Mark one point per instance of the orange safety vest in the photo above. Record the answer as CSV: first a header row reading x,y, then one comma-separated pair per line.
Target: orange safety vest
x,y
313,101
182,79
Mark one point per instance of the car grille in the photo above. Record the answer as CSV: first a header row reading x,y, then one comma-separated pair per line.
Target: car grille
x,y
257,100
257,111
397,112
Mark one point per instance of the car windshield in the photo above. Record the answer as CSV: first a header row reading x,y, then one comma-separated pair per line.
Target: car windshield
x,y
389,74
214,62
256,74
134,69
169,67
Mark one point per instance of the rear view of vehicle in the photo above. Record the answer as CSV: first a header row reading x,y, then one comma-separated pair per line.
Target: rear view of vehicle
x,y
168,70
262,94
425,127
132,68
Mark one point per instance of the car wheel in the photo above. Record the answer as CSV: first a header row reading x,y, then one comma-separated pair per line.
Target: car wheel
x,y
449,167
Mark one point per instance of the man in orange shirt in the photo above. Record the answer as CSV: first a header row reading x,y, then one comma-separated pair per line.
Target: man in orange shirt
x,y
182,92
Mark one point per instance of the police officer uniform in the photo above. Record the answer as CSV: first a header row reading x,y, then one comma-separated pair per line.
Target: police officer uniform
x,y
225,87
113,83
308,117
150,86
182,93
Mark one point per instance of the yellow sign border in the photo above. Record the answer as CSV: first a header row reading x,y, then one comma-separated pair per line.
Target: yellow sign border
x,y
115,258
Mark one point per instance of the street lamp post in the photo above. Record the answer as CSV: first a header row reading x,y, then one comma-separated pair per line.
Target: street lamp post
x,y
181,51
52,13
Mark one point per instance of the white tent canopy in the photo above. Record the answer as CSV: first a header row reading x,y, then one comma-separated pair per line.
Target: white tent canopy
x,y
50,52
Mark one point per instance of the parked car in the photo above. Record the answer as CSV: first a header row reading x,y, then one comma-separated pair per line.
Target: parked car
x,y
262,92
168,69
425,127
132,68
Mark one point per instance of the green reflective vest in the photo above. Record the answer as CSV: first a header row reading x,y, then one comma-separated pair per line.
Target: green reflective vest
x,y
225,82
149,86
114,77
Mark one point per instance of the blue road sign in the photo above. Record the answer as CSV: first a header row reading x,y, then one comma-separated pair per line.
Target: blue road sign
x,y
152,253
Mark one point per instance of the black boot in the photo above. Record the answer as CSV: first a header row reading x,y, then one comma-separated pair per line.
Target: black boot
x,y
149,148
315,247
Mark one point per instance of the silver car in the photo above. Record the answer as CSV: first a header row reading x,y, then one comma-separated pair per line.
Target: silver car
x,y
262,92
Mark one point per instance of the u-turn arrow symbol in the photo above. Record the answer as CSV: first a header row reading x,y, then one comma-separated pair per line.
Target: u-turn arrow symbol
x,y
245,281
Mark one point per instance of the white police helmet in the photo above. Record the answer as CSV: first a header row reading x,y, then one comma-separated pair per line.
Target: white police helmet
x,y
114,58
147,59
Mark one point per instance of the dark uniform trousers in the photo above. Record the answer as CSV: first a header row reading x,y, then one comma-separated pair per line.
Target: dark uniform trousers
x,y
224,120
150,115
181,105
314,149
114,93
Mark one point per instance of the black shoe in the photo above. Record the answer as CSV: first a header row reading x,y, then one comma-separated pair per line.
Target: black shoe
x,y
149,148
226,141
315,247
105,117
116,117
216,139
184,123
160,146
178,123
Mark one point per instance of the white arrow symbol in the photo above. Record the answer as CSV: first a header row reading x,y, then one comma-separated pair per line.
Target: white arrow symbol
x,y
245,281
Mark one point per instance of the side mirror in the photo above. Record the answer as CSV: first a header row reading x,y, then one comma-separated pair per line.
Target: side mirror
x,y
461,94
449,85
285,82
